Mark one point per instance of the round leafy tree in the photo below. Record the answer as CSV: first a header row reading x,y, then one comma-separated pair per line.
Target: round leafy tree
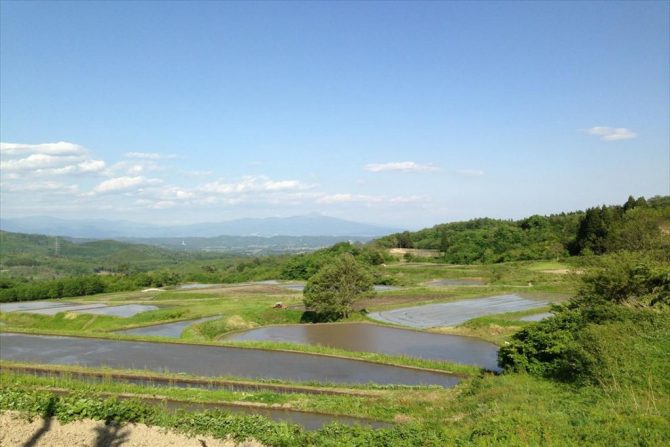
x,y
332,291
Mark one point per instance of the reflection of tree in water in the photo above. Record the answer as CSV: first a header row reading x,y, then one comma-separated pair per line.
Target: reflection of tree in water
x,y
110,435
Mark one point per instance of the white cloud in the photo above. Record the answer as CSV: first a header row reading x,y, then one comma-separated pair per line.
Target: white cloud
x,y
470,172
49,187
85,167
119,184
346,198
37,161
253,184
48,159
368,199
59,148
170,193
612,133
198,173
150,155
404,166
133,168
162,204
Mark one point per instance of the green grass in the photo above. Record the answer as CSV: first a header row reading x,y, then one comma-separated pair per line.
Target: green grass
x,y
627,404
513,409
496,328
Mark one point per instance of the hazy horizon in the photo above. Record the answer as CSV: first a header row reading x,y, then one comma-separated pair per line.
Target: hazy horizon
x,y
395,114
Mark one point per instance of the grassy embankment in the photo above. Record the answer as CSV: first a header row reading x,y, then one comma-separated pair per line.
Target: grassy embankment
x,y
248,306
629,404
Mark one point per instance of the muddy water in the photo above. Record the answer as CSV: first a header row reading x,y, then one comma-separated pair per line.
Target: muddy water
x,y
456,312
373,338
208,360
170,330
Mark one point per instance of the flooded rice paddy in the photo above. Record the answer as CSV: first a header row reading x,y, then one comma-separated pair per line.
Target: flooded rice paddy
x,y
52,308
23,306
294,286
373,338
170,330
299,287
454,313
209,361
455,282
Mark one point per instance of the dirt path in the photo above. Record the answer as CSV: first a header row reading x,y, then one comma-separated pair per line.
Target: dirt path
x,y
17,431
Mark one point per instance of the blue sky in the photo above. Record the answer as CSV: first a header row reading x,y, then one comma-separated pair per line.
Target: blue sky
x,y
406,114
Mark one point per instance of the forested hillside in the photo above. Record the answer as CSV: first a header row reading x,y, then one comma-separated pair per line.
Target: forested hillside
x,y
639,224
48,256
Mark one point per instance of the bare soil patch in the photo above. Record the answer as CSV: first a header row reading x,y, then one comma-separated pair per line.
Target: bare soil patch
x,y
16,430
423,253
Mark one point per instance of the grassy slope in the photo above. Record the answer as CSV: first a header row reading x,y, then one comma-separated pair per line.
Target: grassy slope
x,y
630,406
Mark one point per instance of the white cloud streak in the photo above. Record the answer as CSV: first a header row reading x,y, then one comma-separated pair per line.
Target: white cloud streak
x,y
470,172
64,176
121,184
59,148
368,199
612,133
403,166
48,187
150,155
60,158
253,184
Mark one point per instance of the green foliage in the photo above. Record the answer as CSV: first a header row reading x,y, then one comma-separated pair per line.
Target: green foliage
x,y
334,289
56,256
491,240
628,296
637,225
86,285
307,265
627,278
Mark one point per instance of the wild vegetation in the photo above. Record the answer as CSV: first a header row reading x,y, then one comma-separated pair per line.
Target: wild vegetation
x,y
596,373
639,224
628,294
332,291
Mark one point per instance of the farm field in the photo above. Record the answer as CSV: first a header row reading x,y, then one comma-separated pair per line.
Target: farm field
x,y
425,350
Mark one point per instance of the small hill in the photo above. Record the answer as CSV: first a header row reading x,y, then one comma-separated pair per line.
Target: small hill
x,y
639,224
50,256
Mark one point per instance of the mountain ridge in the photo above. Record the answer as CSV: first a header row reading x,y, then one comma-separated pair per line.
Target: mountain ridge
x,y
305,225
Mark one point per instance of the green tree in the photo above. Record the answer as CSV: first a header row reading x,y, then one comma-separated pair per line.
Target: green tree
x,y
444,242
404,240
334,289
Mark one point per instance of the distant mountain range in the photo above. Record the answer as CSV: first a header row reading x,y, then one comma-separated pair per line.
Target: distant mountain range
x,y
246,245
309,225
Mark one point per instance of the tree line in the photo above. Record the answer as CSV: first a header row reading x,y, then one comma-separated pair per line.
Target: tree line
x,y
84,285
639,224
